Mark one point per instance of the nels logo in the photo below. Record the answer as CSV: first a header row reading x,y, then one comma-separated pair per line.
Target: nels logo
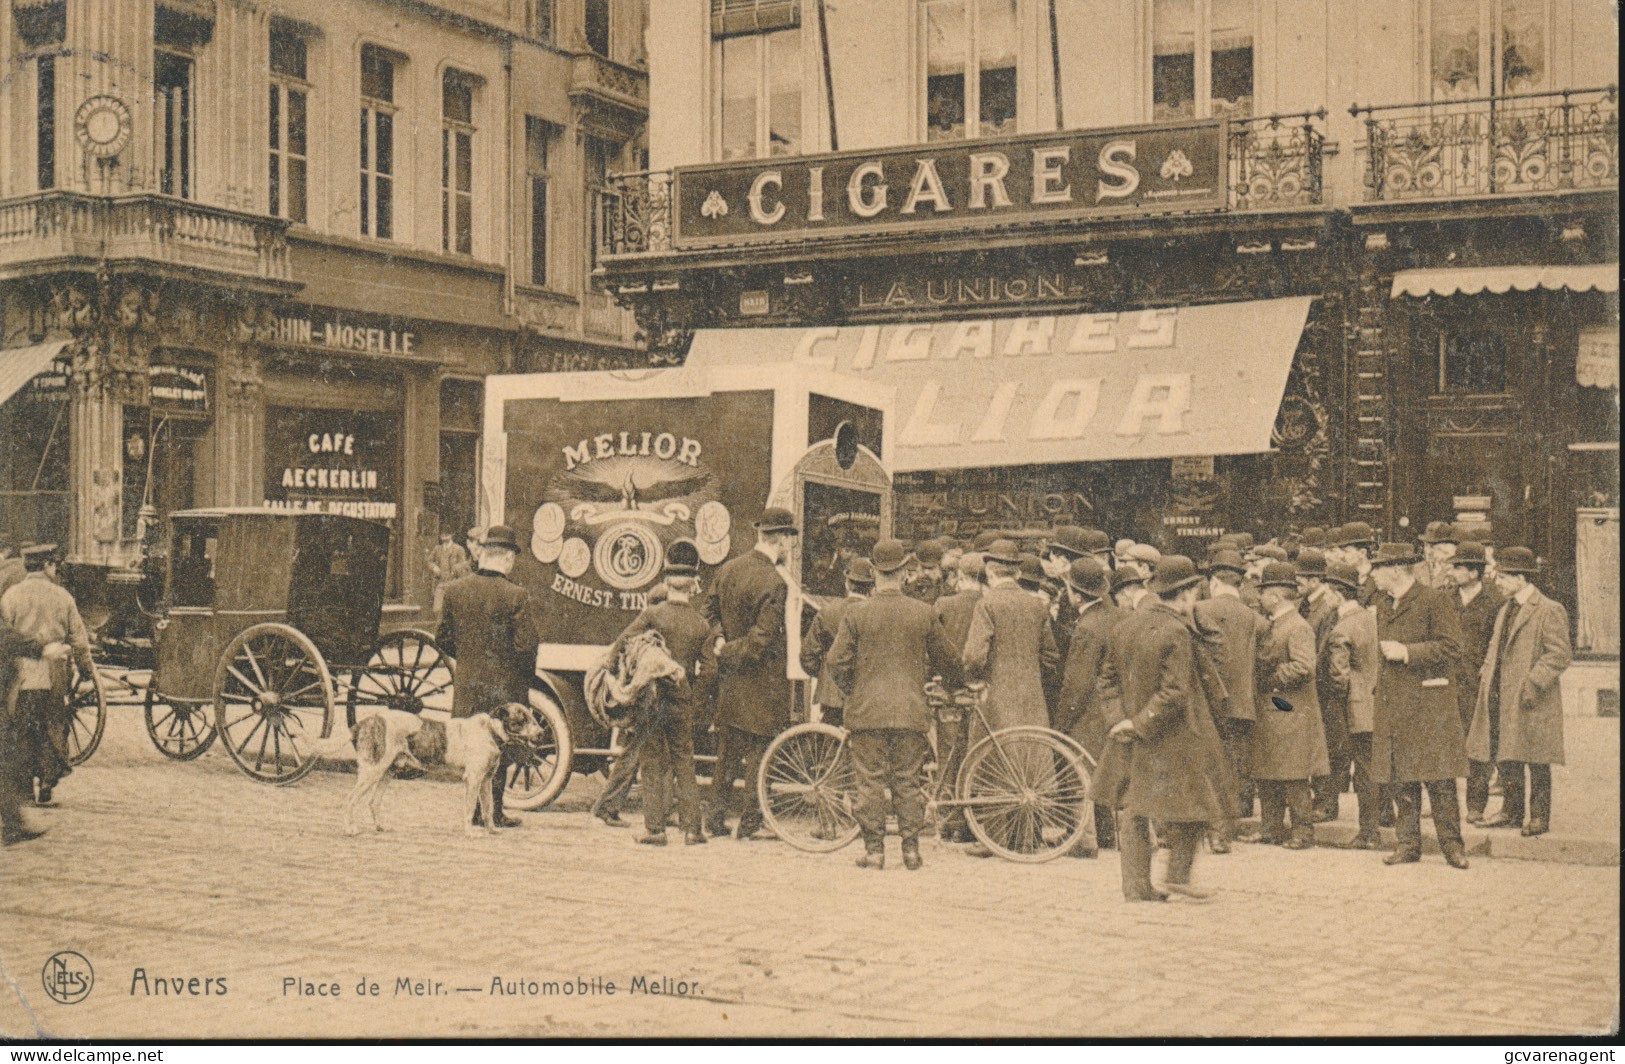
x,y
67,977
620,499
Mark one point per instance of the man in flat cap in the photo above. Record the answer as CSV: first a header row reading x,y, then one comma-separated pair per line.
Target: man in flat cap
x,y
1289,740
487,625
1232,630
888,647
860,581
753,682
1079,711
1477,604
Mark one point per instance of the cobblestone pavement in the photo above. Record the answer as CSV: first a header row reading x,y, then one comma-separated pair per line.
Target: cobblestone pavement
x,y
186,870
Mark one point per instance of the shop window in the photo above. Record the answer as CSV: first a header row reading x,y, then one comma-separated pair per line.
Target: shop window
x,y
1202,59
1487,47
758,53
457,163
1472,362
45,136
377,143
172,78
970,68
192,564
538,140
596,26
289,125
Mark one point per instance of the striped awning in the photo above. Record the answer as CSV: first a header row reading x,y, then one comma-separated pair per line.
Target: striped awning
x,y
1499,280
19,365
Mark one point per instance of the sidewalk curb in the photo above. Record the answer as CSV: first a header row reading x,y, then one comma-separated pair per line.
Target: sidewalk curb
x,y
1503,843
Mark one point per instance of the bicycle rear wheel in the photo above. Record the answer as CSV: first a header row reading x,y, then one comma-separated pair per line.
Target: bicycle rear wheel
x,y
1024,791
808,788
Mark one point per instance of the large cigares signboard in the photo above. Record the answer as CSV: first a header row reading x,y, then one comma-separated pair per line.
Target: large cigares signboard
x,y
598,490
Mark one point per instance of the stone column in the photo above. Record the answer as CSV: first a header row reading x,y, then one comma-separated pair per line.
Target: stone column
x,y
239,426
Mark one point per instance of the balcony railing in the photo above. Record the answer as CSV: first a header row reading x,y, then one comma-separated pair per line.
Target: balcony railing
x,y
1492,145
56,226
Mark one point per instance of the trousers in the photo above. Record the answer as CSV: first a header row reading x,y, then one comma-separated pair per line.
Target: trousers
x,y
622,774
1334,718
1134,853
1366,790
16,774
889,759
1275,798
739,752
1539,790
667,758
1237,736
1408,819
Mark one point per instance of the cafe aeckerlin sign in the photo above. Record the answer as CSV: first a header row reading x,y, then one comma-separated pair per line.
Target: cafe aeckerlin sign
x,y
1060,176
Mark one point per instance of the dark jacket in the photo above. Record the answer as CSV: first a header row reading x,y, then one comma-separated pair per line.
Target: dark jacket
x,y
1231,629
488,627
753,683
1477,624
815,650
1417,732
1079,710
888,646
1011,646
955,611
688,640
1288,743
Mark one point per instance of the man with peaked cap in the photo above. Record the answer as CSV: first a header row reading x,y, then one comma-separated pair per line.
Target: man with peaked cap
x,y
1349,665
1439,542
1519,715
1232,630
1010,646
1416,739
487,625
925,581
1477,604
860,581
955,612
1315,603
888,647
1162,687
753,681
1289,740
1079,711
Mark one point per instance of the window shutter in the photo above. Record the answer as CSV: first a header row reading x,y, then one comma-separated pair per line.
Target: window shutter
x,y
730,18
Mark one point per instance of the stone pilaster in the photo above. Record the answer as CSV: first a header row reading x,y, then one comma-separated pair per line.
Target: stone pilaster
x,y
239,425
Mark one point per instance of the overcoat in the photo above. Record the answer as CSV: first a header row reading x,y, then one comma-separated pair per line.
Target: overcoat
x,y
1416,733
1319,615
753,684
1350,663
487,626
888,646
1477,623
815,647
1176,769
1524,678
1288,744
1231,629
1011,647
1079,710
955,611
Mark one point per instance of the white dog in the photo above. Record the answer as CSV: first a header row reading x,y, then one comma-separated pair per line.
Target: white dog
x,y
475,743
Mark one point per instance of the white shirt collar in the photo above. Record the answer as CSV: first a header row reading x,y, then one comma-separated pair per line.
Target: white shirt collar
x,y
1522,598
1282,610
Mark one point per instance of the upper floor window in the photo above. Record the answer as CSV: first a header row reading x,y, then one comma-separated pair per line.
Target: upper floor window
x,y
289,126
970,68
377,143
1202,58
758,52
538,144
457,163
172,79
596,26
1487,47
45,132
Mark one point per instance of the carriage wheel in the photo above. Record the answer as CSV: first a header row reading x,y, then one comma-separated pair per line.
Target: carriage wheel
x,y
87,716
180,730
808,788
539,774
273,700
1024,792
405,671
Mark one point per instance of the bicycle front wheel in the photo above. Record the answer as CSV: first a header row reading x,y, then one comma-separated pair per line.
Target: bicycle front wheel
x,y
808,788
1025,793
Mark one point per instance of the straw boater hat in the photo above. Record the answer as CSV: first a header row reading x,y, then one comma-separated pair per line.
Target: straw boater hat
x,y
1174,571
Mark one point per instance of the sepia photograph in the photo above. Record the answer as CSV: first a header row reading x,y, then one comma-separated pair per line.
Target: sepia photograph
x,y
809,519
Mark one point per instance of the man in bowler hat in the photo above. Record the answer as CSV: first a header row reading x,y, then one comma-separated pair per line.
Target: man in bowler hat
x,y
1477,604
860,581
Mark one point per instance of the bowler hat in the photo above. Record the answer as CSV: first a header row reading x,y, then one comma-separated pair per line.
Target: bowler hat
x,y
889,555
1517,560
682,558
1311,563
1439,532
777,519
929,551
1227,559
1174,571
1270,551
1032,571
1344,576
1313,537
984,539
1356,534
1094,541
1068,540
501,536
1470,552
1003,551
1089,577
859,571
1125,576
1395,554
1279,574
1242,540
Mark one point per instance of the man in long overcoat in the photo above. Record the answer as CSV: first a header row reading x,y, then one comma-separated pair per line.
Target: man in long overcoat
x,y
1010,645
1079,711
1232,629
1519,717
1349,665
1417,739
488,627
1477,604
955,612
888,647
1289,744
1176,768
753,682
860,580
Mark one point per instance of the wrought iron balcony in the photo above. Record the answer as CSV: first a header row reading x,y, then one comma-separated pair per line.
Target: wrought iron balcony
x,y
58,228
1492,145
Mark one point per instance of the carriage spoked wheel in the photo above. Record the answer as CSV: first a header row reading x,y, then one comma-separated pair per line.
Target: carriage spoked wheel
x,y
180,730
273,700
405,671
539,773
1024,790
87,716
808,788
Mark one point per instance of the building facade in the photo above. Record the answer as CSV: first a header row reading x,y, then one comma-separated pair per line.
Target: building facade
x,y
265,253
1428,185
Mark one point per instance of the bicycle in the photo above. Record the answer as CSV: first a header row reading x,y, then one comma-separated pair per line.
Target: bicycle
x,y
1024,789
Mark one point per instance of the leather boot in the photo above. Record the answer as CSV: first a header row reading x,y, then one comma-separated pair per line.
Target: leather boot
x,y
875,859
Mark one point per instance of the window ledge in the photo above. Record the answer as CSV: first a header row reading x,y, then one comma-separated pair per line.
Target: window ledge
x,y
390,249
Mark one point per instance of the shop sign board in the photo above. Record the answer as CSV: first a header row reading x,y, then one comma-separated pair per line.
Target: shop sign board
x,y
332,461
180,390
337,331
1065,176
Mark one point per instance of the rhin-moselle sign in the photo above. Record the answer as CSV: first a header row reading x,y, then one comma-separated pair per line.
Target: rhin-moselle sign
x,y
1078,174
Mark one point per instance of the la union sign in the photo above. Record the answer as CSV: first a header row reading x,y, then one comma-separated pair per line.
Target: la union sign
x,y
1146,169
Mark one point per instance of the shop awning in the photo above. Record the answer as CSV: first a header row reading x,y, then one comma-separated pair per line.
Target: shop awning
x,y
19,365
1499,280
1162,383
